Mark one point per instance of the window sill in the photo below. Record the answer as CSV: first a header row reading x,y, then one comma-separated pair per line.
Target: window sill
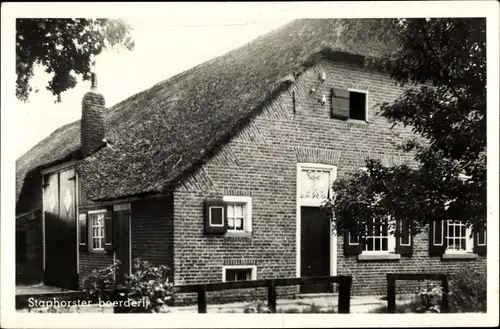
x,y
238,236
92,251
358,123
388,256
464,255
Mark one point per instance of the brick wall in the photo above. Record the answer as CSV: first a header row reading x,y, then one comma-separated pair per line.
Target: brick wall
x,y
261,162
151,234
152,231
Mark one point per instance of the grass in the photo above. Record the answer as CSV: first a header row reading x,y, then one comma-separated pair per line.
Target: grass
x,y
408,307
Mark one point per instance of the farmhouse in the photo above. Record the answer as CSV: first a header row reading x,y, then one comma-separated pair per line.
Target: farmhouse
x,y
219,172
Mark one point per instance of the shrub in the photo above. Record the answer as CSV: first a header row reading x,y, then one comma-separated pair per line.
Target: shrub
x,y
468,290
430,295
148,286
100,284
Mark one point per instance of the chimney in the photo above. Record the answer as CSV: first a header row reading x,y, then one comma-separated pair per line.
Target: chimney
x,y
92,127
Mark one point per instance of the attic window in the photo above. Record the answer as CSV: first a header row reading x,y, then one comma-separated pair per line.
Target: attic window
x,y
357,105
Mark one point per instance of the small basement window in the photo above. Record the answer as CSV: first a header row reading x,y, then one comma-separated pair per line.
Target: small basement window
x,y
239,273
357,105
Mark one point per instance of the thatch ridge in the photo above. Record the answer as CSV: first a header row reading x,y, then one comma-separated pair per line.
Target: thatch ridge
x,y
160,134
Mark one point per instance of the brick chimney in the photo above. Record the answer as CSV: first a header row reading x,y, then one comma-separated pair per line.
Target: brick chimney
x,y
92,127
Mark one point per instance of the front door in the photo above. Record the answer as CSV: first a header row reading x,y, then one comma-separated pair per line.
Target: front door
x,y
122,243
59,201
315,247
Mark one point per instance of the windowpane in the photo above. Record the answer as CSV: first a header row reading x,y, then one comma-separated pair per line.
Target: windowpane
x,y
243,274
238,211
236,217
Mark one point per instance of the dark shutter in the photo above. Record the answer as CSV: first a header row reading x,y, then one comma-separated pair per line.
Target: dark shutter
x,y
108,232
404,238
352,243
437,237
339,108
83,233
480,240
215,217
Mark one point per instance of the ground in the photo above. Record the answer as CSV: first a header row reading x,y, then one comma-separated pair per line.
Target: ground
x,y
315,304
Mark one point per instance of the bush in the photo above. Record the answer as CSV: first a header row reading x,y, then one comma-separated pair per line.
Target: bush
x,y
100,284
468,290
430,295
148,286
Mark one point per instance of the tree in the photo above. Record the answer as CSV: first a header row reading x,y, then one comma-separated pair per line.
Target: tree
x,y
443,63
64,47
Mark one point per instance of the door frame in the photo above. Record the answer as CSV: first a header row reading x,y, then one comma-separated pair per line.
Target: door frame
x,y
314,203
57,169
125,206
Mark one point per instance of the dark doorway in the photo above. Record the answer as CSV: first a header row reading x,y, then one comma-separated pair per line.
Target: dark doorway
x,y
122,243
315,247
59,199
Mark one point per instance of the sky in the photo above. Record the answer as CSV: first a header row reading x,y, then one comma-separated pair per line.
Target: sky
x,y
163,48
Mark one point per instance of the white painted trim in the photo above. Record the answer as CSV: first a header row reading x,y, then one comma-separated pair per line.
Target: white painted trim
x,y
247,200
477,237
43,229
90,212
309,203
434,234
210,216
77,217
58,167
130,240
237,267
121,206
367,93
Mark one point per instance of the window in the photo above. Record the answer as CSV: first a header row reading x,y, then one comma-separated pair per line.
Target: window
x,y
458,237
377,238
239,273
239,214
357,105
20,246
216,216
97,230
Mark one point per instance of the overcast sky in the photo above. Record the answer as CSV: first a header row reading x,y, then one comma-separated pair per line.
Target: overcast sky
x,y
163,47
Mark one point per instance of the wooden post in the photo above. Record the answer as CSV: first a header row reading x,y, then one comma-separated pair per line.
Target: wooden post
x,y
202,299
445,302
391,294
120,296
271,296
345,294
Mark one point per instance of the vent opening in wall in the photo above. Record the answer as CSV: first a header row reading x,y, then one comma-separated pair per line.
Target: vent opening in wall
x,y
239,273
357,105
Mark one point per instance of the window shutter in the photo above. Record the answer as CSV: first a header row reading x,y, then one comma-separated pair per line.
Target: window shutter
x,y
437,237
480,240
108,232
83,233
352,243
404,238
215,217
339,108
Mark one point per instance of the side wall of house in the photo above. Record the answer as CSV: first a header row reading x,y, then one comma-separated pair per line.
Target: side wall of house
x,y
151,236
261,162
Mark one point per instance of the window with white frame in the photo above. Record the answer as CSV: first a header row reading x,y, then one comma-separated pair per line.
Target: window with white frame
x,y
458,237
239,273
377,238
239,214
97,230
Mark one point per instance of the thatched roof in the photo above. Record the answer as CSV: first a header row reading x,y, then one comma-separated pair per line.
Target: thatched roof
x,y
162,133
